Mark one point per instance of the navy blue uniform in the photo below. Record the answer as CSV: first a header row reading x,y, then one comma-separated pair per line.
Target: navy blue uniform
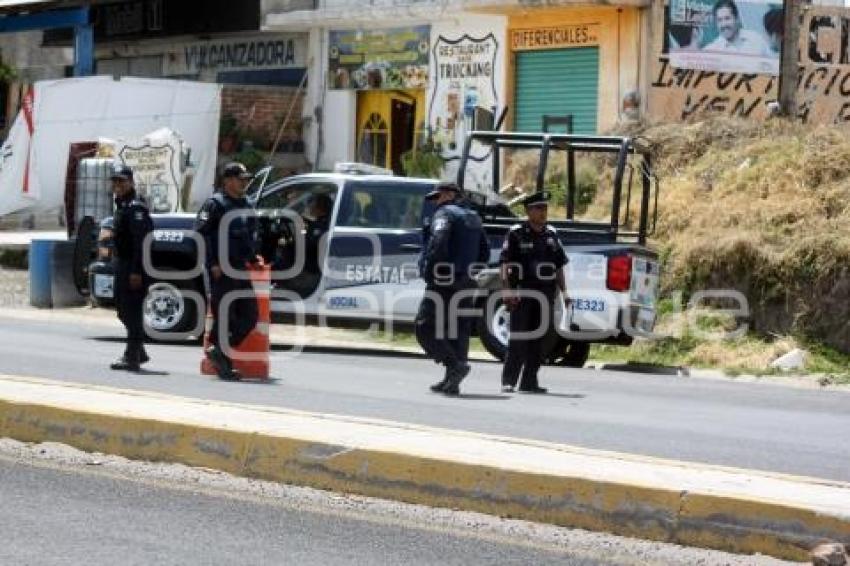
x,y
534,259
453,242
131,223
241,249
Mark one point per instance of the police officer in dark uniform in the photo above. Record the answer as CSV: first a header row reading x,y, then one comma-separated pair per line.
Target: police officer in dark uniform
x,y
241,246
131,223
316,225
453,243
532,262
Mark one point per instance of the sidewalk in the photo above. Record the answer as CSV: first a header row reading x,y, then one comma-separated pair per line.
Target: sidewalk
x,y
697,505
22,240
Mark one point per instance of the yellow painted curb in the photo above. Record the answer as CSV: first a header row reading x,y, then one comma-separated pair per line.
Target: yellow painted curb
x,y
718,521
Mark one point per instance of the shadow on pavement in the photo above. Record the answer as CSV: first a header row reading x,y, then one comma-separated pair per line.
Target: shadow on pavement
x,y
149,372
634,367
559,395
311,349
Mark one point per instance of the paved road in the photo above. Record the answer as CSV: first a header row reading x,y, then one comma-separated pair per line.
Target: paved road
x,y
68,516
753,426
62,506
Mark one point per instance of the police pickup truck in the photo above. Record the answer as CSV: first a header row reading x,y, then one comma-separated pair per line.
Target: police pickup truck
x,y
369,254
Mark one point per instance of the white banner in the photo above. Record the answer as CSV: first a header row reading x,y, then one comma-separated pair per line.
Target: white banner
x,y
88,109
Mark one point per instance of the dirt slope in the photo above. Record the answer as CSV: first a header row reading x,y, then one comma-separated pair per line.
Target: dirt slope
x,y
763,209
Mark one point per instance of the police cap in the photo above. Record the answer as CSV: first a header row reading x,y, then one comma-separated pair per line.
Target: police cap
x,y
236,169
540,198
441,188
120,171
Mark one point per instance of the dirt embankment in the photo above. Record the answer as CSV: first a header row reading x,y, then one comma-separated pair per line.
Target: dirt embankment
x,y
762,208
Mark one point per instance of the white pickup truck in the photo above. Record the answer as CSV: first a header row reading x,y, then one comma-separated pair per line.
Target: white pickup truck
x,y
369,254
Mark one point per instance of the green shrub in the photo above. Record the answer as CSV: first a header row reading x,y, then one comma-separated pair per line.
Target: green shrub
x,y
424,162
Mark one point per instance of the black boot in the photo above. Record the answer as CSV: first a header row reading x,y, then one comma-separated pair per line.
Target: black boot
x,y
456,374
127,362
441,385
222,363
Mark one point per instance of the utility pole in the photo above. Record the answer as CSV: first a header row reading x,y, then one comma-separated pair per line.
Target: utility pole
x,y
789,68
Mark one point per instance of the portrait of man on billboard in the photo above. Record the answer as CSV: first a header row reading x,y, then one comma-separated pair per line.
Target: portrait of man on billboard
x,y
743,36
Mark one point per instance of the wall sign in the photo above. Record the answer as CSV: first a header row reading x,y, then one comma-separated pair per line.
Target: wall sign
x,y
236,54
581,35
379,59
155,177
464,88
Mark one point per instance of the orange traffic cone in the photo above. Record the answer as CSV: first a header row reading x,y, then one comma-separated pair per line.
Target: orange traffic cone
x,y
251,357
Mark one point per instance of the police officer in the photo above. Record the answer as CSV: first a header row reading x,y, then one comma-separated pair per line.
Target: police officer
x,y
241,234
532,262
453,243
317,223
131,224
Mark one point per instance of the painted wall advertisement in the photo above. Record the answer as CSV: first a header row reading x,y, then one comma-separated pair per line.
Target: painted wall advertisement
x,y
380,58
823,82
466,75
157,163
725,36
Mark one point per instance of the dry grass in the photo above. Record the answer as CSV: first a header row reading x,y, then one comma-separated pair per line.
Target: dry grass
x,y
761,208
766,213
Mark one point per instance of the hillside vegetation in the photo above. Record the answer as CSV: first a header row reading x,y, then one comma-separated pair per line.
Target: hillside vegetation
x,y
758,207
763,209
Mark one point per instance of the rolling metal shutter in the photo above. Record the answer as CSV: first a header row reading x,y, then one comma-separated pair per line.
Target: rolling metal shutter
x,y
558,82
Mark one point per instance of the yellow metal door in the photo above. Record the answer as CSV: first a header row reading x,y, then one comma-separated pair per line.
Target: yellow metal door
x,y
373,127
380,141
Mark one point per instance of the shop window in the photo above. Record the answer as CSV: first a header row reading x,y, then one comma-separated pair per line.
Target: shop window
x,y
373,141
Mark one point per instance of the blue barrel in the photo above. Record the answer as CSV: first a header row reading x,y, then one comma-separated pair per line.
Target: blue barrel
x,y
41,267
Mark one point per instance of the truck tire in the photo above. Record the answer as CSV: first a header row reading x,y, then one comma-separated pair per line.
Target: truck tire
x,y
570,354
494,333
168,311
85,252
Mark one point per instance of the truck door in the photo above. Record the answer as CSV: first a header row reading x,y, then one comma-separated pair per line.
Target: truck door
x,y
375,248
279,204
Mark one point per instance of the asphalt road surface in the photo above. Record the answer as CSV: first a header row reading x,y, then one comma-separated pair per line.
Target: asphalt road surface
x,y
756,426
61,506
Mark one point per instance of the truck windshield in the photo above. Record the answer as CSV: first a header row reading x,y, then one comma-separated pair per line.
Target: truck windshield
x,y
297,197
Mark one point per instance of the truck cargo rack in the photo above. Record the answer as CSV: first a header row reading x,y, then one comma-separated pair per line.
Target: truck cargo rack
x,y
632,155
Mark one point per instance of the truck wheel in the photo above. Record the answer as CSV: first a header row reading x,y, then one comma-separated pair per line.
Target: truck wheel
x,y
570,354
494,333
167,310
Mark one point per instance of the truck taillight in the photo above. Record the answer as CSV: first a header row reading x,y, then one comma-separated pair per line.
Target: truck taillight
x,y
620,273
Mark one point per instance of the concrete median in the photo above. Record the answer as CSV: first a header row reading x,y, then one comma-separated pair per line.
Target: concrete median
x,y
697,505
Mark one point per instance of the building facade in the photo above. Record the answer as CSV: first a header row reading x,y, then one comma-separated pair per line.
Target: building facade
x,y
389,76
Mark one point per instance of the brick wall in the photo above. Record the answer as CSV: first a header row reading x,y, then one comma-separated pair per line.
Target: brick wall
x,y
259,112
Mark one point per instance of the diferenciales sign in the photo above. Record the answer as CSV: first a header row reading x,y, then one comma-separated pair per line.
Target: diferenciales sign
x,y
579,35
